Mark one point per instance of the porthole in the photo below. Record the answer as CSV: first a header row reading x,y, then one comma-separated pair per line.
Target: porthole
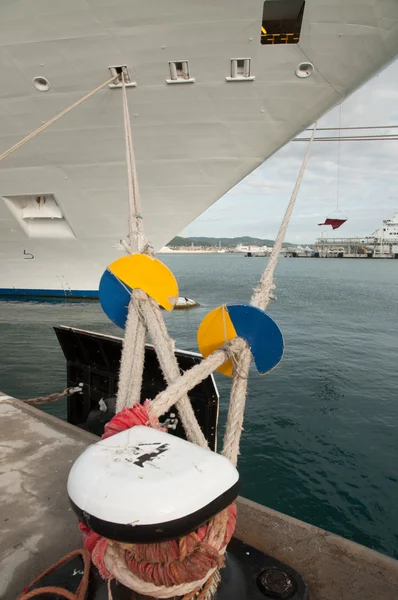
x,y
304,70
41,83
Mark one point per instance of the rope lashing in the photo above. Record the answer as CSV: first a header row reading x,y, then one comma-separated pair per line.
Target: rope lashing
x,y
54,120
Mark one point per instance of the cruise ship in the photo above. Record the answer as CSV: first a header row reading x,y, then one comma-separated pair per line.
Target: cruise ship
x,y
215,88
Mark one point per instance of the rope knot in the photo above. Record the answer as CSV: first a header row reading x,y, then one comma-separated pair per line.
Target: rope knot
x,y
234,356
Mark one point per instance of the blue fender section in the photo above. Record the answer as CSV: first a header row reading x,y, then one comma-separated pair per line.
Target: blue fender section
x,y
261,333
114,298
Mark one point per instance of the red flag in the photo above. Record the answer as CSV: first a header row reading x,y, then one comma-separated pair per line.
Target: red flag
x,y
335,223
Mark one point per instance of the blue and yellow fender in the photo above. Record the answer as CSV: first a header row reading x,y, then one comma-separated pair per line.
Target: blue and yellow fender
x,y
252,324
132,272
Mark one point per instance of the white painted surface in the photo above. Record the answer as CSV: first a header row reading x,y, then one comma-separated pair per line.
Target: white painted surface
x,y
193,142
107,482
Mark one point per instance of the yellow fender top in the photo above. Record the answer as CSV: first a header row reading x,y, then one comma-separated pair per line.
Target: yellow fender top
x,y
148,274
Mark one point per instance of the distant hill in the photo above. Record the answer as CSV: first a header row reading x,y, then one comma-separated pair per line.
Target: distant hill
x,y
246,240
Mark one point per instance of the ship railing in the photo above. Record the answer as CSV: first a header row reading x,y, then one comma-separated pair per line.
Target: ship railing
x,y
353,240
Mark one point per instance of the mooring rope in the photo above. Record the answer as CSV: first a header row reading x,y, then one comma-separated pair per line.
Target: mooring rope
x,y
260,299
235,348
115,558
54,120
136,237
145,314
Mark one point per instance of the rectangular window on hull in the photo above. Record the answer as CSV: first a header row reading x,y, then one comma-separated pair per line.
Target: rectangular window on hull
x,y
240,70
282,21
179,72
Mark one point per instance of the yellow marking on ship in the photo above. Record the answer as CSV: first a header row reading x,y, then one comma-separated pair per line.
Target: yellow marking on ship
x,y
279,38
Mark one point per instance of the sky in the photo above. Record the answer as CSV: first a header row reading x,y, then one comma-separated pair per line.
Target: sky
x,y
367,173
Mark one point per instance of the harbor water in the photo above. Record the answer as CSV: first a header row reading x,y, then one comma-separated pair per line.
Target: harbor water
x,y
321,431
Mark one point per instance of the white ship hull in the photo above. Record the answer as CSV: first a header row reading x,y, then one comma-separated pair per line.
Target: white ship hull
x,y
193,142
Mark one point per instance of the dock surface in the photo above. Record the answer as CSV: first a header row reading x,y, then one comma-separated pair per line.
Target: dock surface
x,y
38,526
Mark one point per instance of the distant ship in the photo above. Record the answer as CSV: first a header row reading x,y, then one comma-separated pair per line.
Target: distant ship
x,y
241,248
250,76
389,230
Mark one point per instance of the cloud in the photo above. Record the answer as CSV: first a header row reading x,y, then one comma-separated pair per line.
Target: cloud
x,y
361,177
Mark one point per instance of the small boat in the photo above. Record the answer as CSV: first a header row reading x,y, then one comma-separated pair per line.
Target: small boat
x,y
185,303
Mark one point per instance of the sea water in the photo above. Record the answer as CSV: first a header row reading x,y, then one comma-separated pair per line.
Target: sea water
x,y
320,438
